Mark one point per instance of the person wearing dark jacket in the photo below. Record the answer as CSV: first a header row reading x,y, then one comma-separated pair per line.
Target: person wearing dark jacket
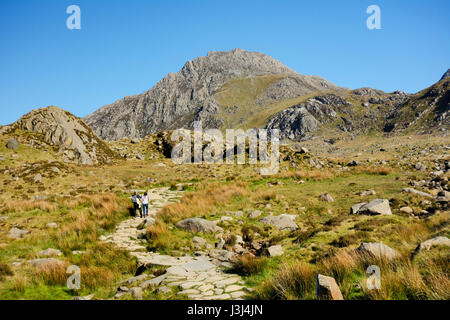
x,y
136,206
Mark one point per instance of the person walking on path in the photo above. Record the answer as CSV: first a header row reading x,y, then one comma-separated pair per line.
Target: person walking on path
x,y
145,204
135,201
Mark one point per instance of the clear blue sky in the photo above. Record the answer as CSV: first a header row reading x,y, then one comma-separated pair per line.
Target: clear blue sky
x,y
125,47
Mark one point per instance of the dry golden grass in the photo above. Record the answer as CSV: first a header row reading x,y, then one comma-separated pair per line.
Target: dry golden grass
x,y
19,283
312,174
293,281
159,229
375,170
160,236
248,265
27,205
202,202
51,274
93,277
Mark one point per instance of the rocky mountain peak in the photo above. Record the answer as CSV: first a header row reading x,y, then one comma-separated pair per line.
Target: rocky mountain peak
x,y
188,95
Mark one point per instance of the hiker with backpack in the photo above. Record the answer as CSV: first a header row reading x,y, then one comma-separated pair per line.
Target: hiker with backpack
x,y
136,200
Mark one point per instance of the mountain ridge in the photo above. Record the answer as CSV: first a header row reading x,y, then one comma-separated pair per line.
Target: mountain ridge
x,y
180,98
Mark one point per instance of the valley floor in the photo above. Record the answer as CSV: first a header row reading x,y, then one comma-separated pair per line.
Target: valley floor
x,y
260,237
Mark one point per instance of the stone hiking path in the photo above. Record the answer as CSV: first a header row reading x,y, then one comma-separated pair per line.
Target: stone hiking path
x,y
200,278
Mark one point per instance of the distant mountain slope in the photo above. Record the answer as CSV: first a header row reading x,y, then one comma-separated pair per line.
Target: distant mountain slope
x,y
75,141
199,91
364,110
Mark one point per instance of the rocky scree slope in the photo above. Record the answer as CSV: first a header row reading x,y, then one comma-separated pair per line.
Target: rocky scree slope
x,y
188,95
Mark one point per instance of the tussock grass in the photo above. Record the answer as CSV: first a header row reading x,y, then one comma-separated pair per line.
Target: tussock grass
x,y
201,202
159,235
247,265
51,274
28,205
292,282
400,278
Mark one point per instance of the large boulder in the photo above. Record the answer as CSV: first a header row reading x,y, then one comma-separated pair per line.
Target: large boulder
x,y
327,288
199,225
375,207
275,251
12,144
420,193
282,222
378,250
433,242
46,263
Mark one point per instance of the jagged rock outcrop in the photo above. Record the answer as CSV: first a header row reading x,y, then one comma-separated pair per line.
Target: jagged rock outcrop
x,y
75,140
299,120
425,111
188,95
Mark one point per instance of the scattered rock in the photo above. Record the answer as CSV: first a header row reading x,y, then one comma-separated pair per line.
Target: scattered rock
x,y
222,255
275,251
136,279
37,178
50,252
198,225
281,222
378,250
12,144
136,293
420,166
326,197
164,290
368,193
407,210
374,207
443,196
16,233
327,288
254,214
46,263
89,297
199,242
153,282
52,225
433,242
420,193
